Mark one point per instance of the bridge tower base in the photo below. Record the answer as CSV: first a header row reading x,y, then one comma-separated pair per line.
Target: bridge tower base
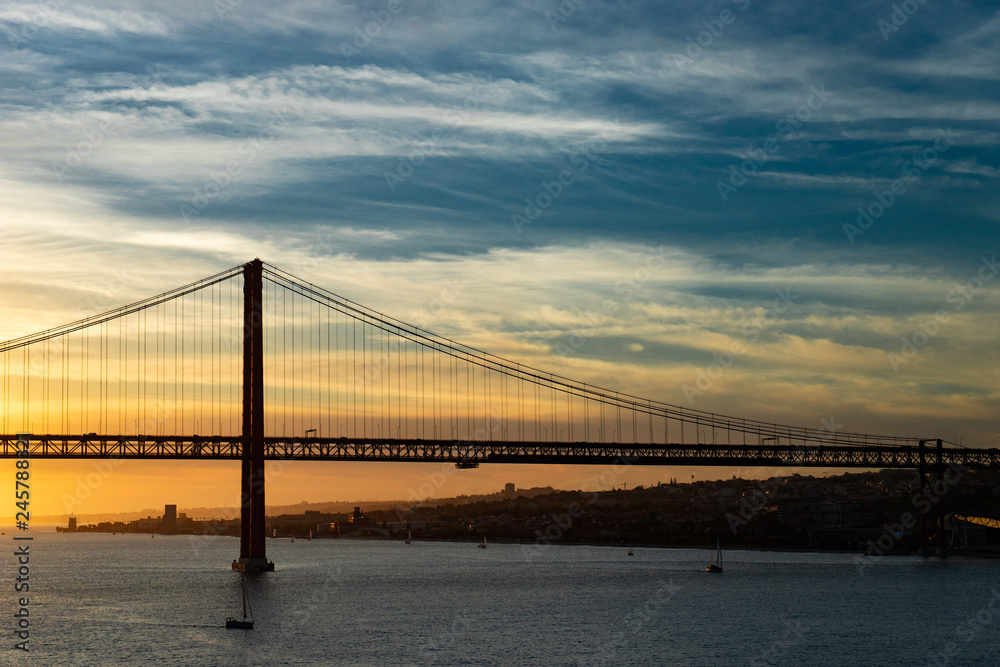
x,y
251,565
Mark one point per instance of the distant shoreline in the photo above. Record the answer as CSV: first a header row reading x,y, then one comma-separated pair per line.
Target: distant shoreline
x,y
789,550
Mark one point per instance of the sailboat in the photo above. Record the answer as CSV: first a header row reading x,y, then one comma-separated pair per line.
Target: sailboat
x,y
235,623
407,536
716,564
483,545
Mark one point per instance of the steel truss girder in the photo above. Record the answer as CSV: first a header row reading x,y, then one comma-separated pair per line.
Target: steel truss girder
x,y
465,452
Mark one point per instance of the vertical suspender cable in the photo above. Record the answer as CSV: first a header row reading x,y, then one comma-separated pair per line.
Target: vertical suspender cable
x,y
329,375
284,362
354,382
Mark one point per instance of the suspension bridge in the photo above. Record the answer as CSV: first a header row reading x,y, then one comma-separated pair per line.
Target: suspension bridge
x,y
254,363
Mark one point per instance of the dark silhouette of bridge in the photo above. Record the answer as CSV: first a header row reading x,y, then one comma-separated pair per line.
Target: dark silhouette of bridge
x,y
273,367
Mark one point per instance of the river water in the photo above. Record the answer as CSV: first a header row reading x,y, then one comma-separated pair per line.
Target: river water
x,y
99,599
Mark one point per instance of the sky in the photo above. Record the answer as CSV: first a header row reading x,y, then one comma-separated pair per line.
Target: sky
x,y
615,191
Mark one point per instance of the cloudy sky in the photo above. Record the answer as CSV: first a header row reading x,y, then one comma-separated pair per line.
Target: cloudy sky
x,y
815,181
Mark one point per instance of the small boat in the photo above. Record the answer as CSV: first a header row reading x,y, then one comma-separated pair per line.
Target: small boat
x,y
483,545
407,536
235,623
716,564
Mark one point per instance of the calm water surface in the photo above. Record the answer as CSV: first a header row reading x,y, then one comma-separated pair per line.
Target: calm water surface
x,y
136,600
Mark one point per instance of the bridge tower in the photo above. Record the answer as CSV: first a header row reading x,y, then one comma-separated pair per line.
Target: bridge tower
x,y
923,470
253,556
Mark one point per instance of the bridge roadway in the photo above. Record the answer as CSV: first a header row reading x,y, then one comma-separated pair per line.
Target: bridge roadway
x,y
471,454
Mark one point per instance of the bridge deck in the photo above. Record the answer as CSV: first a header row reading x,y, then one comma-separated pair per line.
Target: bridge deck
x,y
470,454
